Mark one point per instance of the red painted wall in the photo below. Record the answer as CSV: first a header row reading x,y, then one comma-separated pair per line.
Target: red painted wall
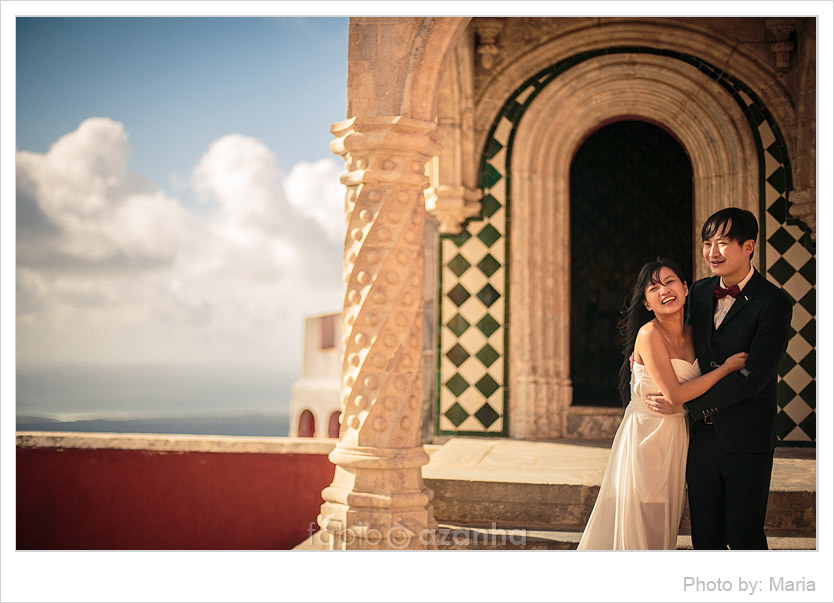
x,y
134,499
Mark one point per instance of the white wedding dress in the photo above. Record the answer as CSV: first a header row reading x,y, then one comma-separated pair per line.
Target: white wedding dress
x,y
641,498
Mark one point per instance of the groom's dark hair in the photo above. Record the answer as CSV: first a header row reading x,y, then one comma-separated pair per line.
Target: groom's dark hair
x,y
743,225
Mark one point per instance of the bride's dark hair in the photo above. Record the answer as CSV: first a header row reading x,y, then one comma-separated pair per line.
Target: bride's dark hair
x,y
635,315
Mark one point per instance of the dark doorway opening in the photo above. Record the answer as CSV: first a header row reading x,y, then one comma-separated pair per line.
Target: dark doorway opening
x,y
631,202
333,426
306,425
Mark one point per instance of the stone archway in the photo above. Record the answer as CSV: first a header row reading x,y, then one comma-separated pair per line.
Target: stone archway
x,y
715,134
580,37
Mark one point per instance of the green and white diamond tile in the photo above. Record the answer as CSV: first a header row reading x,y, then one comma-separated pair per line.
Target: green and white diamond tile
x,y
796,255
799,348
502,135
790,265
797,409
472,389
471,368
800,319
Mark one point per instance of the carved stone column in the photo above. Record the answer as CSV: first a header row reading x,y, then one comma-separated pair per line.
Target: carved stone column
x,y
377,499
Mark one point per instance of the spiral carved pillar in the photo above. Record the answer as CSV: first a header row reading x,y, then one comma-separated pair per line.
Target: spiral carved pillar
x,y
377,499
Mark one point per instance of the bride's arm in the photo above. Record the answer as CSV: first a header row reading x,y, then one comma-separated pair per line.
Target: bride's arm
x,y
651,347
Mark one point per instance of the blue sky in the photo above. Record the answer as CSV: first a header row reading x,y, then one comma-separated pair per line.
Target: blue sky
x,y
177,84
177,205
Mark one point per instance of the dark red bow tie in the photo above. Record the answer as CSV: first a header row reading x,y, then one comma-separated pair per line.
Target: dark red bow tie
x,y
720,292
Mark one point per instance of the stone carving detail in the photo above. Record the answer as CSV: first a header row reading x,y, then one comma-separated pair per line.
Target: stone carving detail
x,y
487,30
782,28
451,206
377,498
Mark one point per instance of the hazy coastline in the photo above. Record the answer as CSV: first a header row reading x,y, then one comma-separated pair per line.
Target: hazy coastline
x,y
199,400
233,425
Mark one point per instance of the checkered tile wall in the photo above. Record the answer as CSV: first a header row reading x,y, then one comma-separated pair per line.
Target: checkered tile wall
x,y
473,325
474,315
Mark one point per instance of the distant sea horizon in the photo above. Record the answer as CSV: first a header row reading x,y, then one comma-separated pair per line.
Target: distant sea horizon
x,y
253,424
188,400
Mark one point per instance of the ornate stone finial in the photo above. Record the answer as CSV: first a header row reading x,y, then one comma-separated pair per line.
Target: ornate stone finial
x,y
487,30
782,28
451,206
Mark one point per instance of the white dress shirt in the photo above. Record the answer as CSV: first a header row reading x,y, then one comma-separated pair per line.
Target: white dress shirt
x,y
724,304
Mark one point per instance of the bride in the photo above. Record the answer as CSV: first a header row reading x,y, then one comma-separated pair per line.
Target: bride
x,y
641,498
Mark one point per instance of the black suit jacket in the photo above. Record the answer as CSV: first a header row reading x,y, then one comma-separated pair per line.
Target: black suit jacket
x,y
743,404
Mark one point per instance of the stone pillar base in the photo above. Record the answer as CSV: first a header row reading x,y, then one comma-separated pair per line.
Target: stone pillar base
x,y
378,501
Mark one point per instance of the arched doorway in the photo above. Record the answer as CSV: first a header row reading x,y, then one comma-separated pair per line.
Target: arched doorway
x,y
333,425
306,425
630,202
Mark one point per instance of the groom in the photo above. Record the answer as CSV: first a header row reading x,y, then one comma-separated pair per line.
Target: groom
x,y
732,426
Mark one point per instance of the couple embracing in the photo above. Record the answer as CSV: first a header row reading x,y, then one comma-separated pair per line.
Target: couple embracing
x,y
700,382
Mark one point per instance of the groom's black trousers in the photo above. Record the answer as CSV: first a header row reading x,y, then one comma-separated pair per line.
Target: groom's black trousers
x,y
727,493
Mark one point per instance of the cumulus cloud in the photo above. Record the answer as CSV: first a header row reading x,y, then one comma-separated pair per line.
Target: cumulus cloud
x,y
96,211
112,268
314,189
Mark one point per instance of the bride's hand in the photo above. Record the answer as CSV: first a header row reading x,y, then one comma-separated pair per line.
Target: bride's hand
x,y
735,362
658,403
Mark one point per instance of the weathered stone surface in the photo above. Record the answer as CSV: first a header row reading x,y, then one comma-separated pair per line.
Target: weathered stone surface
x,y
554,485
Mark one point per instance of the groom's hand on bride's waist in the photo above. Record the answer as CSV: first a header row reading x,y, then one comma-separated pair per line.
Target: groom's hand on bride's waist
x,y
658,403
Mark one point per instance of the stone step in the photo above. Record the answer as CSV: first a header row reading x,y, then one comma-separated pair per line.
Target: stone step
x,y
456,538
552,486
463,538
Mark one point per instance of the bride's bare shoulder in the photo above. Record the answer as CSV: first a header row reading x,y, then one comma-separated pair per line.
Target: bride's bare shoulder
x,y
646,338
648,331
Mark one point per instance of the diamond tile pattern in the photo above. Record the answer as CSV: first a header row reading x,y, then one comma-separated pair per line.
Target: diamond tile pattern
x,y
474,268
459,265
486,415
458,294
487,355
473,286
790,258
488,265
456,415
457,354
488,295
457,325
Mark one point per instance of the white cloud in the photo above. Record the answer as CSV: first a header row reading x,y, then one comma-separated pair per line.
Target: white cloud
x,y
112,269
314,188
82,187
241,174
